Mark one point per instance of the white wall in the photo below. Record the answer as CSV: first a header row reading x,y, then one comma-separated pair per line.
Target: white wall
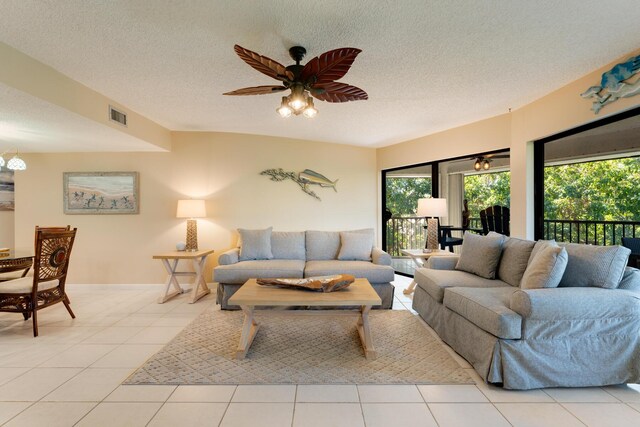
x,y
222,168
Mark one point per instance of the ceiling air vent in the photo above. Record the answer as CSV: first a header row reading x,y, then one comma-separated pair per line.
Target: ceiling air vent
x,y
117,116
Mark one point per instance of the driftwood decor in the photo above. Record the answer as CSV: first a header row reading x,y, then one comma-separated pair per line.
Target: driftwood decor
x,y
303,179
317,283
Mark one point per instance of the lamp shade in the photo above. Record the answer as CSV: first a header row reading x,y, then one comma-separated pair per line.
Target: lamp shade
x,y
432,207
191,209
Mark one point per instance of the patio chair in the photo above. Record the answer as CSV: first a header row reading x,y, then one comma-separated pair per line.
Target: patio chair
x,y
28,295
495,218
632,243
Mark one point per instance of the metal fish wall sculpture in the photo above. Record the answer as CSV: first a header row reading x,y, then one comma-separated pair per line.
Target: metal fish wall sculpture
x,y
304,179
615,84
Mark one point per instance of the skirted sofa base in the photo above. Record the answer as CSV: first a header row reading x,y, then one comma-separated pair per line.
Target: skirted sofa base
x,y
569,356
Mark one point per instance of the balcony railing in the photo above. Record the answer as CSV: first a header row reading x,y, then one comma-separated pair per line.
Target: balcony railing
x,y
408,232
603,233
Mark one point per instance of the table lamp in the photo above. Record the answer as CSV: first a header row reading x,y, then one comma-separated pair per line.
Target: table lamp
x,y
432,208
191,209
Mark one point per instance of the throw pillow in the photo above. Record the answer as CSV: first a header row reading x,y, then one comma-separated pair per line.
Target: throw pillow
x,y
288,245
540,245
546,268
256,244
480,254
514,260
598,266
355,246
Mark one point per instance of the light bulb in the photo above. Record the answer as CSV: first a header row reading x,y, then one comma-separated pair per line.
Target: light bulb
x,y
284,109
486,165
16,164
1,161
477,165
310,112
297,104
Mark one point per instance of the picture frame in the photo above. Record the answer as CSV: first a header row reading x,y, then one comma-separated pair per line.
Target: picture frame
x,y
7,199
101,193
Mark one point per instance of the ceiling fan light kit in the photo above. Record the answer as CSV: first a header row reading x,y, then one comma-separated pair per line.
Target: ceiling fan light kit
x,y
316,79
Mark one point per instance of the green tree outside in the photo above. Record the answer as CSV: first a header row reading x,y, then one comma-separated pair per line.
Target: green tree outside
x,y
403,194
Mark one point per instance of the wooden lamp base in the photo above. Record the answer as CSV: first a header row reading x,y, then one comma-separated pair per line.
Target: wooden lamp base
x,y
192,235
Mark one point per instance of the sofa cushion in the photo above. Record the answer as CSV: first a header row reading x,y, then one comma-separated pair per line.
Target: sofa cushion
x,y
355,245
256,244
546,269
480,254
288,245
269,269
486,308
630,280
322,245
514,260
434,282
374,273
599,266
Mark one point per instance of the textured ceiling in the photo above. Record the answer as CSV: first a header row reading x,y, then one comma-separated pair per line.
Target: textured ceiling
x,y
427,65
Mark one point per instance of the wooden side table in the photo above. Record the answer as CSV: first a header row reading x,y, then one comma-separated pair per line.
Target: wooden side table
x,y
170,262
419,257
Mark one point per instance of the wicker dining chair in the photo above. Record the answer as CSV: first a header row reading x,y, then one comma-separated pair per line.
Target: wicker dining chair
x,y
632,243
28,295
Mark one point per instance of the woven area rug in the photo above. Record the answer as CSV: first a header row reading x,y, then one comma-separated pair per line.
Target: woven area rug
x,y
301,349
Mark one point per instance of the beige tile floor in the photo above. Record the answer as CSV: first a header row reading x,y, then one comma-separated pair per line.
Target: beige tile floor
x,y
72,375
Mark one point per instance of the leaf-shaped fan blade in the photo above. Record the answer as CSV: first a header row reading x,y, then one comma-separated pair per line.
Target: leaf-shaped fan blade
x,y
338,92
329,66
263,64
257,90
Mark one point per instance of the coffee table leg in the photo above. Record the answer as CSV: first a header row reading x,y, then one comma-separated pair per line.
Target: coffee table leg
x,y
249,330
364,330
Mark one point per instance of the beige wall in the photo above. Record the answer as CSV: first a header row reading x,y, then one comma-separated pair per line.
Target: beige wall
x,y
561,110
6,229
221,168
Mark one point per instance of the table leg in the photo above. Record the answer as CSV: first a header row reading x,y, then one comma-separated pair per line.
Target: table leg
x,y
249,330
171,281
199,282
364,330
411,288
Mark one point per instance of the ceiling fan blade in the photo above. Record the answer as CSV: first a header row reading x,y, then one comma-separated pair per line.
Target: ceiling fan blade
x,y
329,66
257,90
338,92
263,64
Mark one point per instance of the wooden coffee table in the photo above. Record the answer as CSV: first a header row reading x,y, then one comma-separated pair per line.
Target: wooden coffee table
x,y
251,295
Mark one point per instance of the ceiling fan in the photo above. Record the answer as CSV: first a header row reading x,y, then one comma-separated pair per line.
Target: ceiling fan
x,y
484,162
316,78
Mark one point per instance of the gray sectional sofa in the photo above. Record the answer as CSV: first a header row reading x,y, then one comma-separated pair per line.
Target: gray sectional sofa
x,y
543,315
267,254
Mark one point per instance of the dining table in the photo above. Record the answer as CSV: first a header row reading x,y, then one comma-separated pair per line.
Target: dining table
x,y
15,261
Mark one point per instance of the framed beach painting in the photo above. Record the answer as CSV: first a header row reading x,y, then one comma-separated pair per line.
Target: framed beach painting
x,y
6,191
96,193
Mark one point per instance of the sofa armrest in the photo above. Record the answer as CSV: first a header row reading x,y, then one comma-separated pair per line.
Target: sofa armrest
x,y
380,257
560,304
229,257
442,262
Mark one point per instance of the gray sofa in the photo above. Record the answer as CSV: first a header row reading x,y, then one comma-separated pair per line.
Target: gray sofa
x,y
583,332
305,254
